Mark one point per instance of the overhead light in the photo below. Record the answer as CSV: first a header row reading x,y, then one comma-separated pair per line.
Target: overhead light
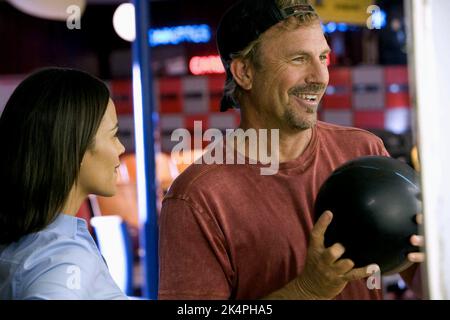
x,y
49,9
124,21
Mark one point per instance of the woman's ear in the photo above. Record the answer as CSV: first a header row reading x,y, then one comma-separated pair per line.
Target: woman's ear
x,y
242,73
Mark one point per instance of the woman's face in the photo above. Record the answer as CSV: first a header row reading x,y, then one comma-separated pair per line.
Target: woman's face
x,y
98,172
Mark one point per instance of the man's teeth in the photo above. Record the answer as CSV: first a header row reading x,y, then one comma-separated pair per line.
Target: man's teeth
x,y
308,97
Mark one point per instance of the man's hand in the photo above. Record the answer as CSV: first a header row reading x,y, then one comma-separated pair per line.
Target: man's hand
x,y
325,275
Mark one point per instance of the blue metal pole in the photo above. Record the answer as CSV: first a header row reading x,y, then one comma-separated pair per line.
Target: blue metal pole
x,y
145,120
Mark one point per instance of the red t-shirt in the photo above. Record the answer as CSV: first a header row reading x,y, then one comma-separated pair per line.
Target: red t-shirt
x,y
228,232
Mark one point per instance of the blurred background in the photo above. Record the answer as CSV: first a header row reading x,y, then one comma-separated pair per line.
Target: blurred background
x,y
368,88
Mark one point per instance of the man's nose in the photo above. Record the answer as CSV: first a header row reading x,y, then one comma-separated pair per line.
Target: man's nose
x,y
318,73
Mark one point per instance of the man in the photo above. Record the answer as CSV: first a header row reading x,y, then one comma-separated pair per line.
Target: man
x,y
228,232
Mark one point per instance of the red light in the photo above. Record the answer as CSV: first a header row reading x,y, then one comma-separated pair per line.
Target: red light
x,y
332,59
206,65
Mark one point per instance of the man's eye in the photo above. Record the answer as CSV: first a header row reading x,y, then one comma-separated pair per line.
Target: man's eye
x,y
299,59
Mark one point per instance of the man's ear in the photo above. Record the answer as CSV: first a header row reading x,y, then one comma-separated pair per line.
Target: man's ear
x,y
242,73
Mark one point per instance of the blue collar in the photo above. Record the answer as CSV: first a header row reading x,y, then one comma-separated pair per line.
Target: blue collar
x,y
67,225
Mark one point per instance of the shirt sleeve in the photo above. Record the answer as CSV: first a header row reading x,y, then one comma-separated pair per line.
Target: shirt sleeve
x,y
194,263
68,272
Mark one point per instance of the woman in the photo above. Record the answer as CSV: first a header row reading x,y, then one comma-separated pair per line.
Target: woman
x,y
58,142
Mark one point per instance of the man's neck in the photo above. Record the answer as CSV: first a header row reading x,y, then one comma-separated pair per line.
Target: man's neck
x,y
292,143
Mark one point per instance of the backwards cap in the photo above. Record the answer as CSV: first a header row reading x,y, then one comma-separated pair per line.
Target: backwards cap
x,y
243,23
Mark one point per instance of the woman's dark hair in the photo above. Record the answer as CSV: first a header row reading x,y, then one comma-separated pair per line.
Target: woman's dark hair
x,y
46,127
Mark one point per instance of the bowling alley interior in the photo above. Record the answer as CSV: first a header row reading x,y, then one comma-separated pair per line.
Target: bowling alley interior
x,y
378,82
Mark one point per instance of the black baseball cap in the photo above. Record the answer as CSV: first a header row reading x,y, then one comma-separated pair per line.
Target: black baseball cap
x,y
243,23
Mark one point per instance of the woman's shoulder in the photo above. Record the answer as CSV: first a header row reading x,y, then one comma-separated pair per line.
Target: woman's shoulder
x,y
54,243
53,248
60,265
43,262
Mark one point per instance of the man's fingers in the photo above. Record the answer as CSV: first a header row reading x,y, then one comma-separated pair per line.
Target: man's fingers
x,y
343,266
361,273
419,218
318,231
333,253
416,257
417,241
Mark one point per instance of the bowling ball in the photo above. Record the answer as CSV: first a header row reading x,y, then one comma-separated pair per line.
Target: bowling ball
x,y
374,201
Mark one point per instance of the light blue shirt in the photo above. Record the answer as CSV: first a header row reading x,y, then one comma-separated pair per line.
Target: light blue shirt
x,y
60,262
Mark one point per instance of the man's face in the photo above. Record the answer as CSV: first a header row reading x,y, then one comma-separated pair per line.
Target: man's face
x,y
292,78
